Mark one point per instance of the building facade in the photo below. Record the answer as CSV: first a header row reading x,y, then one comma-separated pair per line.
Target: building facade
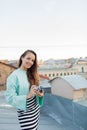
x,y
5,70
71,87
55,72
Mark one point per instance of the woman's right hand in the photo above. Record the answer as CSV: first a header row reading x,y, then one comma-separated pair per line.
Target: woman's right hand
x,y
31,93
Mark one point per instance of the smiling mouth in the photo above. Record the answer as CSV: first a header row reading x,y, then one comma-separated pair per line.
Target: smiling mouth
x,y
29,65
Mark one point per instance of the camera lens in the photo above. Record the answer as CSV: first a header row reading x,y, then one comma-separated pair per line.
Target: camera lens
x,y
40,89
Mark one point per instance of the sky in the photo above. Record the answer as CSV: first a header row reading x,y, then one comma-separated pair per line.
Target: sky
x,y
52,28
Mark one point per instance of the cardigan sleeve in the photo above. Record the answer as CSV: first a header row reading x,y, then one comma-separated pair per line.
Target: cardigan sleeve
x,y
40,100
11,94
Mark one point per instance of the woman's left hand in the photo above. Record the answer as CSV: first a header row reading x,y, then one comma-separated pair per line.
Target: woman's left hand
x,y
40,94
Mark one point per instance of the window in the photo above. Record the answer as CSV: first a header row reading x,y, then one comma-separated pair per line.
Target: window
x,y
49,75
57,74
67,73
82,69
61,74
53,74
64,73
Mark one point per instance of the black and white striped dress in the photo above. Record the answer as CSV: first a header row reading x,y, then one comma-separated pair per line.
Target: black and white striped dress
x,y
29,120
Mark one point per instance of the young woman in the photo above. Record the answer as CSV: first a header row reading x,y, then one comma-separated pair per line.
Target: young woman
x,y
22,93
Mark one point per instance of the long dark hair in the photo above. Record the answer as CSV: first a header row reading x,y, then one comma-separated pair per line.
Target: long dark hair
x,y
32,73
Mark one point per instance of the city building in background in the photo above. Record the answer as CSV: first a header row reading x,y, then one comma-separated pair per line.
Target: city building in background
x,y
72,87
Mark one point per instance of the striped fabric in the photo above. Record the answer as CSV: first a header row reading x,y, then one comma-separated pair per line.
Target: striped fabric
x,y
29,120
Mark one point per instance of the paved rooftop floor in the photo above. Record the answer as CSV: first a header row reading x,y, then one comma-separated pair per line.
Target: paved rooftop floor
x,y
9,121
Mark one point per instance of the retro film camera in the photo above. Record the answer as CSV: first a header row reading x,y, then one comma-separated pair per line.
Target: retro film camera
x,y
39,88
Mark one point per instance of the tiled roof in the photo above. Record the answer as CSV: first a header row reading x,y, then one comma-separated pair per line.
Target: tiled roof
x,y
43,76
8,65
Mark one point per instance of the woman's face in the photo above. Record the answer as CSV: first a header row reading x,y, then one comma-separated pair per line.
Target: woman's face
x,y
28,60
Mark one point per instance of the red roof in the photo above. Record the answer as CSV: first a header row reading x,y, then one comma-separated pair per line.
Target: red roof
x,y
43,76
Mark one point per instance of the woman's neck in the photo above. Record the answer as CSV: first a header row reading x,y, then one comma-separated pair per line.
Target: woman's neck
x,y
21,67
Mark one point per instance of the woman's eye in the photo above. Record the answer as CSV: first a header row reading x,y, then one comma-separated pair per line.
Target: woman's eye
x,y
33,61
28,58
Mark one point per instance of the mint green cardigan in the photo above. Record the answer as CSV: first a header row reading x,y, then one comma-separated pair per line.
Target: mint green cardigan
x,y
17,87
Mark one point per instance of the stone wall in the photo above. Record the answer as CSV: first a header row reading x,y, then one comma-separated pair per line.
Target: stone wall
x,y
5,70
